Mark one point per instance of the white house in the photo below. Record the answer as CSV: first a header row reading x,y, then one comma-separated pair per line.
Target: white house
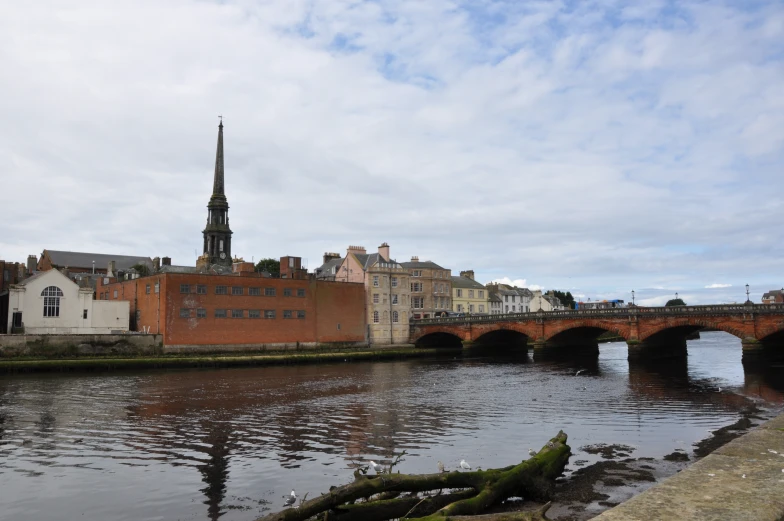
x,y
50,303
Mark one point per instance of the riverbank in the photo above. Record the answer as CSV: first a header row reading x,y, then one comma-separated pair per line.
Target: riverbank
x,y
210,360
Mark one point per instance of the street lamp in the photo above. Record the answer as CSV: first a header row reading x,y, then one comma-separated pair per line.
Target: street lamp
x,y
632,298
748,300
676,295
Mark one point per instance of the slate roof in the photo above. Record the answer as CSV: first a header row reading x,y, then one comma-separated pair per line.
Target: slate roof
x,y
328,269
465,282
168,268
421,264
76,259
494,297
772,293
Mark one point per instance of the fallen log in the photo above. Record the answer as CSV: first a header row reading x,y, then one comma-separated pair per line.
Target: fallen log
x,y
469,493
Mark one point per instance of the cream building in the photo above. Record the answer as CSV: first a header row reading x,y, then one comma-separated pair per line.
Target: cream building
x,y
431,288
50,303
545,302
468,296
387,292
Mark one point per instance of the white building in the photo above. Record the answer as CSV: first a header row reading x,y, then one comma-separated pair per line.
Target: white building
x,y
540,302
50,303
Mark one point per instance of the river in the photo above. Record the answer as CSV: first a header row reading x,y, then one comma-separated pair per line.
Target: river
x,y
228,444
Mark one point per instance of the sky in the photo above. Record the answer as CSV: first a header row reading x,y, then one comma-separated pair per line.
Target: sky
x,y
592,146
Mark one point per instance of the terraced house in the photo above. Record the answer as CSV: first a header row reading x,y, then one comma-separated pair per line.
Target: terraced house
x,y
431,288
469,296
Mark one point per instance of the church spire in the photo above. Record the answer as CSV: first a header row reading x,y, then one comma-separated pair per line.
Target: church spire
x,y
217,185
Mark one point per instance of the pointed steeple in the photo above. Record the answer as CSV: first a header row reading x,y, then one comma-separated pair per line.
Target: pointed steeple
x,y
217,184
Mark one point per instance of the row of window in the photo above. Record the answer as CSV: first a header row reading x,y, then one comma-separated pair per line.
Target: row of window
x,y
201,289
436,274
377,317
241,313
376,299
471,309
471,293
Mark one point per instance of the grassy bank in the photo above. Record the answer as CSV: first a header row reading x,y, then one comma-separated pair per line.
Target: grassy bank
x,y
207,360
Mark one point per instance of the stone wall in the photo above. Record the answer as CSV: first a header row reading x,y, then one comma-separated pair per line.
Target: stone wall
x,y
57,346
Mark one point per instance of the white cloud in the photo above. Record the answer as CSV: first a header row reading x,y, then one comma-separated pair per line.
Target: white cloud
x,y
552,141
714,286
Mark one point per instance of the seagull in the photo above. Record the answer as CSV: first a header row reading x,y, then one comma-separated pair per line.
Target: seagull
x,y
464,465
290,500
441,467
578,372
531,452
743,476
772,451
375,466
711,475
585,388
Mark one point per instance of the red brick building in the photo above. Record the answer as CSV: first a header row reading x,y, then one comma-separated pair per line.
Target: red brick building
x,y
240,310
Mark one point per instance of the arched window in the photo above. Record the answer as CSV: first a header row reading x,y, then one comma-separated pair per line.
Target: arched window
x,y
394,316
375,317
51,297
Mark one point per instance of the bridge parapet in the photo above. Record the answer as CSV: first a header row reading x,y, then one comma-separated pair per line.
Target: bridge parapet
x,y
672,311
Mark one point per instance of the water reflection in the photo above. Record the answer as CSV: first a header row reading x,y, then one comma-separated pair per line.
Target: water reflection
x,y
209,444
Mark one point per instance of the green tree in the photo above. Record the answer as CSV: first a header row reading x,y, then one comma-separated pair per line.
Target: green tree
x,y
566,298
142,269
271,266
675,302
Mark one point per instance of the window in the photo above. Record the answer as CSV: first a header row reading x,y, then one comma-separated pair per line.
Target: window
x,y
147,290
220,313
513,308
470,308
470,293
417,302
481,293
481,308
416,286
459,308
394,299
185,288
254,313
460,293
237,290
300,314
338,326
201,289
221,241
286,292
115,293
52,295
185,313
269,313
221,290
84,314
394,282
286,313
506,298
416,273
375,298
157,287
375,281
255,292
395,316
269,292
236,313
507,309
201,313
300,292
375,317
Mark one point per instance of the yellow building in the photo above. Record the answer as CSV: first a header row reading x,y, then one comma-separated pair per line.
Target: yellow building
x,y
468,296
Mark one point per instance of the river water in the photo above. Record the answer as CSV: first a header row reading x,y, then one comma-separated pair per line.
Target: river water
x,y
228,444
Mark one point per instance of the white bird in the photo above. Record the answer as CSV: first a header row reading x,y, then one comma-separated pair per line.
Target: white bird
x,y
441,467
531,452
375,466
772,451
743,476
290,500
711,475
578,372
464,465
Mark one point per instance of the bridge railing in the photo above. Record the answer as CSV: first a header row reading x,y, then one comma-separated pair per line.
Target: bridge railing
x,y
713,309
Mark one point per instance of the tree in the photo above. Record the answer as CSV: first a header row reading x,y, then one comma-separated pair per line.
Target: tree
x,y
566,298
142,269
675,302
271,266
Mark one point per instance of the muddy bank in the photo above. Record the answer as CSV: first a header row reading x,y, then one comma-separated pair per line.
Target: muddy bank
x,y
593,488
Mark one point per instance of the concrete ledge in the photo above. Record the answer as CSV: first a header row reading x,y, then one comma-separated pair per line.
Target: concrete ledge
x,y
695,494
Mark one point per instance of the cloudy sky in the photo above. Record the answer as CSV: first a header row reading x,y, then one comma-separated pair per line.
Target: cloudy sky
x,y
592,146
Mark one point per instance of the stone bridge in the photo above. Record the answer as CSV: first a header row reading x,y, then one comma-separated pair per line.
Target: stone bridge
x,y
655,331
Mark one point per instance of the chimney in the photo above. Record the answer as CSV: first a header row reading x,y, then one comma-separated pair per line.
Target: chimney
x,y
357,249
414,259
156,264
383,250
110,269
32,264
328,256
166,261
469,274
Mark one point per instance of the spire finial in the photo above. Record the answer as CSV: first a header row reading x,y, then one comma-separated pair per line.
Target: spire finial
x,y
217,186
220,117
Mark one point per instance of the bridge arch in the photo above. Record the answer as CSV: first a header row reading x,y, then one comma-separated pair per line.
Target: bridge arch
x,y
692,322
505,335
586,325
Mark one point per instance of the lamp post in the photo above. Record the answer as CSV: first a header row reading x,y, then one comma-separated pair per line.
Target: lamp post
x,y
748,300
632,298
676,295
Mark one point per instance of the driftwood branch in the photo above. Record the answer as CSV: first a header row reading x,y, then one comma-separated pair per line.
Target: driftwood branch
x,y
470,493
